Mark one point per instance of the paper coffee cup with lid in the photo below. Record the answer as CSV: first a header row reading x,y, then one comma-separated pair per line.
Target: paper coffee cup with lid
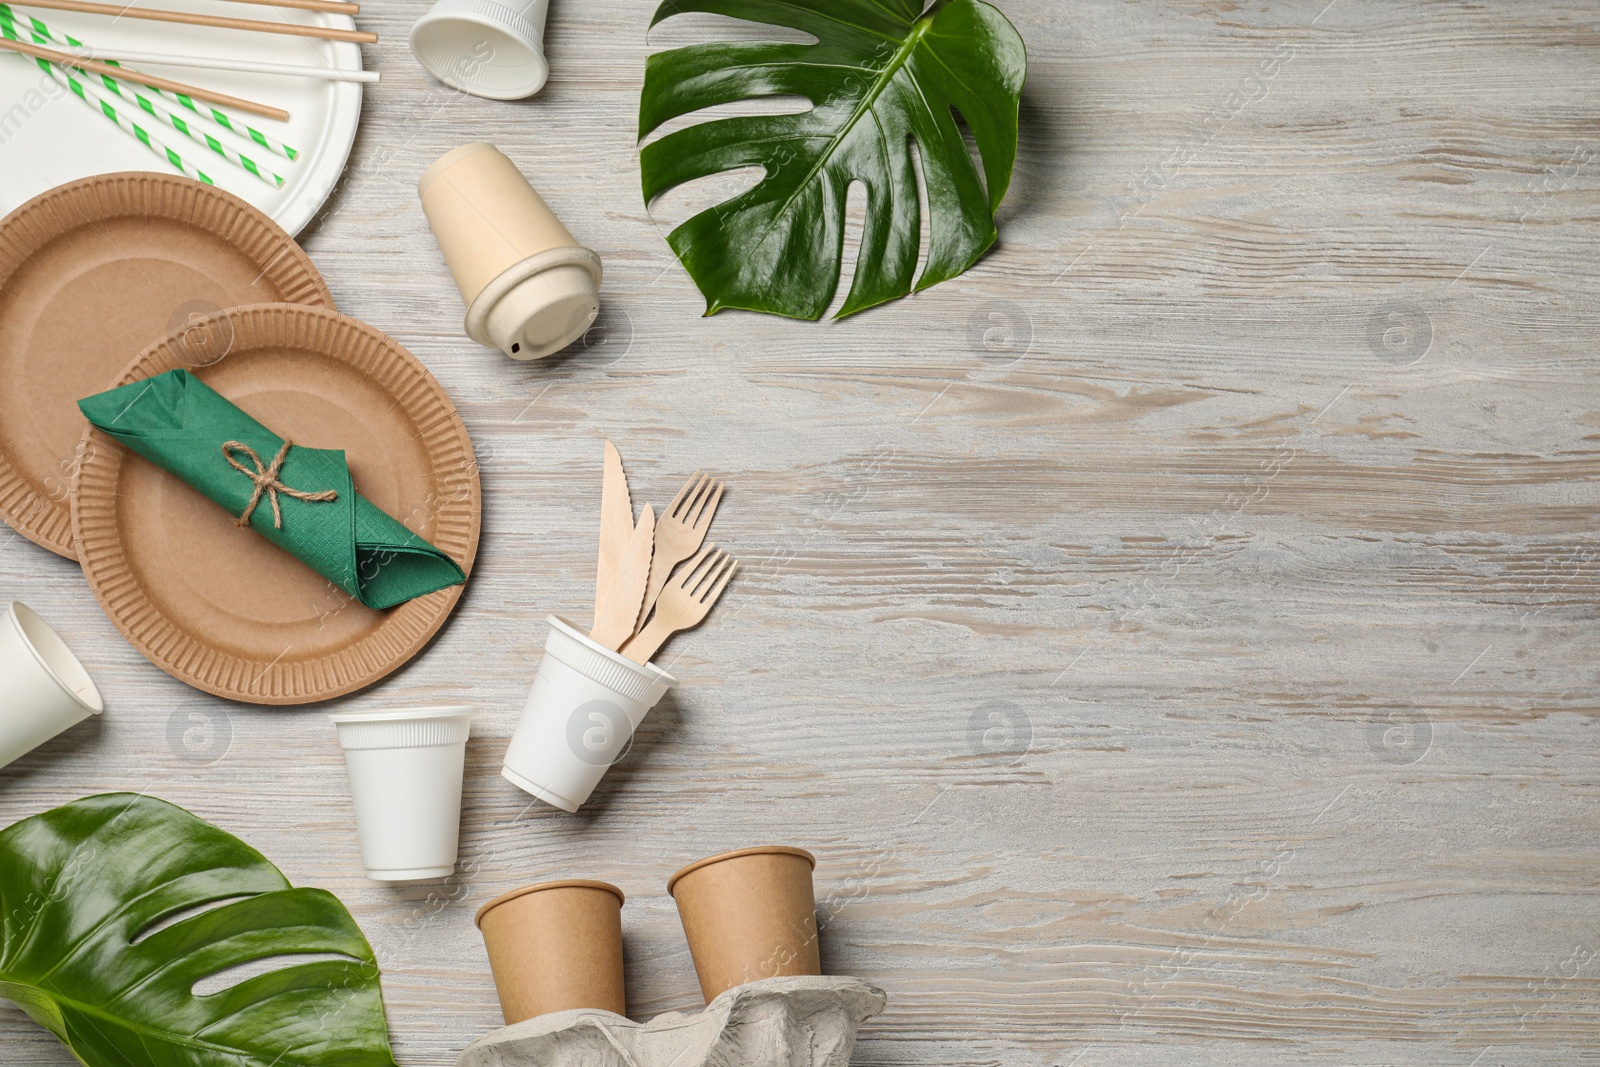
x,y
406,767
529,287
489,49
46,689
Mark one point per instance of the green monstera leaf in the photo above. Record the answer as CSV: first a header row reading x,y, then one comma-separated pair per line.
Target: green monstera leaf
x,y
81,888
882,75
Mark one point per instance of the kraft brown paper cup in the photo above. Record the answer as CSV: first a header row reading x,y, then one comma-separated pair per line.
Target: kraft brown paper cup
x,y
749,915
554,947
529,287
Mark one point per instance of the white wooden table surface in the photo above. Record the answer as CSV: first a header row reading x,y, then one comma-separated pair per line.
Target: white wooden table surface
x,y
1176,637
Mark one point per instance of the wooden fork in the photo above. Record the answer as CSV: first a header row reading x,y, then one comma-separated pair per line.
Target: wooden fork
x,y
679,533
685,603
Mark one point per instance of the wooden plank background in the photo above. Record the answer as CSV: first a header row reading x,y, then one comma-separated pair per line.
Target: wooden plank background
x,y
1176,637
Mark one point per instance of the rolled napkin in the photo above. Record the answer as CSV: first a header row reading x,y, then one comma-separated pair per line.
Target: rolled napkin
x,y
300,499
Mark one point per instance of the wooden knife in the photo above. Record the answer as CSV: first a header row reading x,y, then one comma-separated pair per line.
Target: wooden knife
x,y
616,523
622,591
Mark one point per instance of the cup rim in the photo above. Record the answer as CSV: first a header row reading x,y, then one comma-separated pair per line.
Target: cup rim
x,y
539,887
618,658
95,706
757,850
431,711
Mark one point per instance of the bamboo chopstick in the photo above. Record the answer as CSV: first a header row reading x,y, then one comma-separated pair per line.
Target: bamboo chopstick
x,y
336,7
70,61
288,29
241,66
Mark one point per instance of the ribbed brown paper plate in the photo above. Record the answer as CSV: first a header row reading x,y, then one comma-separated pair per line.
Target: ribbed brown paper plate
x,y
222,608
91,274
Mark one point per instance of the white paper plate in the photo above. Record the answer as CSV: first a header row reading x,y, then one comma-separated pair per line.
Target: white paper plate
x,y
48,136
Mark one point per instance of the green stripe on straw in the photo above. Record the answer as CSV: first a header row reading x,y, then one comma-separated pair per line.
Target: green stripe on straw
x,y
261,139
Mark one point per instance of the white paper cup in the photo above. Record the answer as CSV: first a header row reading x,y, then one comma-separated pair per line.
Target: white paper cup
x,y
585,704
405,771
488,49
45,689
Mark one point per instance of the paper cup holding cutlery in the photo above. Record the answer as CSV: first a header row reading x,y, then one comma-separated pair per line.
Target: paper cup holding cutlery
x,y
580,717
529,287
406,768
46,689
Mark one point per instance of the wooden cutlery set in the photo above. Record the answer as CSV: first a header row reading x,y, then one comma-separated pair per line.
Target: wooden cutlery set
x,y
638,601
656,577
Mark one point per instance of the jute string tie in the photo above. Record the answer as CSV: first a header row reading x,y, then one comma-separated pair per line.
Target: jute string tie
x,y
267,482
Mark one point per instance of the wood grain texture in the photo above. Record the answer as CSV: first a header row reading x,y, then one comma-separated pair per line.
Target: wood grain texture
x,y
1176,637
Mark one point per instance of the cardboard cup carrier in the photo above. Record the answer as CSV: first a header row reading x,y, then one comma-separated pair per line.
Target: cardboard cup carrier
x,y
554,947
749,915
45,691
580,717
406,767
530,289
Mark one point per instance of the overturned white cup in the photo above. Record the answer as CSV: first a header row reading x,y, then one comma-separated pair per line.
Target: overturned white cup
x,y
405,770
488,49
580,716
46,689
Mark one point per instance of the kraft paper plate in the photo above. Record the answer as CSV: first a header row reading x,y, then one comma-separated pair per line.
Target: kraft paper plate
x,y
223,609
91,274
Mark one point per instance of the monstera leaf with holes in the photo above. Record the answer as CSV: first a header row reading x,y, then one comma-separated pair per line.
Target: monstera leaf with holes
x,y
882,75
83,886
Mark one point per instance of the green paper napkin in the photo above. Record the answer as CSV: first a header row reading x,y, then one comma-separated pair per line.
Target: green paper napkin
x,y
179,423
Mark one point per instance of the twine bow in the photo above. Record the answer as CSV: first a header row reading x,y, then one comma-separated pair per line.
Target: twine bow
x,y
266,481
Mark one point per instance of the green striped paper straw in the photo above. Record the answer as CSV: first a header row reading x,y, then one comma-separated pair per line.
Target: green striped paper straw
x,y
237,127
106,108
240,128
160,111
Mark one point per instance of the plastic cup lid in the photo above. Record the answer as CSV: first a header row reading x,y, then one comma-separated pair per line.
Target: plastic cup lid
x,y
481,48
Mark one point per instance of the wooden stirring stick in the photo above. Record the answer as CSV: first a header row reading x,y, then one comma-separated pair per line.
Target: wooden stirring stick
x,y
66,59
287,29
